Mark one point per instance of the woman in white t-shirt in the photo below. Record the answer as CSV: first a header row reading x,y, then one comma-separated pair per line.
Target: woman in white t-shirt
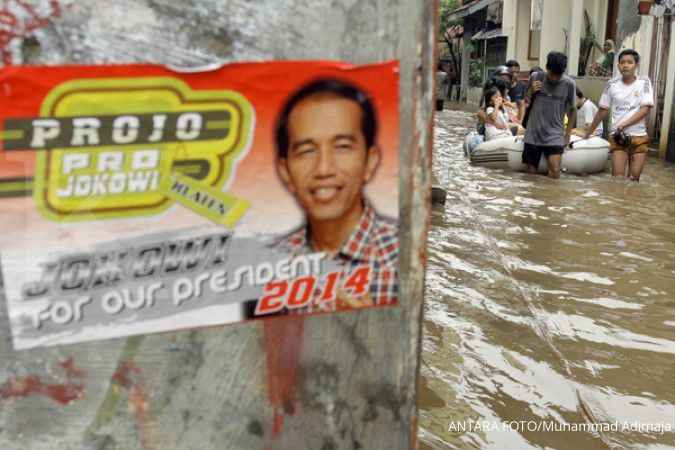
x,y
630,98
499,128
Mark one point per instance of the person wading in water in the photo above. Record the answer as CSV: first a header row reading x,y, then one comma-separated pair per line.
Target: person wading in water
x,y
545,131
630,98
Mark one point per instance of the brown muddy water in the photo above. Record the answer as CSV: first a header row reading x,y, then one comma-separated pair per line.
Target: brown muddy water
x,y
550,303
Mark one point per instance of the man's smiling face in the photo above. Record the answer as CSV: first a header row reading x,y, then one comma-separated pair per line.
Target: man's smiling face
x,y
327,164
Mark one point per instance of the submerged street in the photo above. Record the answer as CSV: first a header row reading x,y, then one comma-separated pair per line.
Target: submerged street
x,y
548,302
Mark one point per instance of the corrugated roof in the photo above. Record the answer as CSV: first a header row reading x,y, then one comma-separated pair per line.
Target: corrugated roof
x,y
487,34
470,8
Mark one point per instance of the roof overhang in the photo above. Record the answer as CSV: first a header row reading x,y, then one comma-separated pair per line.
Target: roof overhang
x,y
487,34
469,9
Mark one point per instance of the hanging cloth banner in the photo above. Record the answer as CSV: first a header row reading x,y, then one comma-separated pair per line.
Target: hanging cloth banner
x,y
138,199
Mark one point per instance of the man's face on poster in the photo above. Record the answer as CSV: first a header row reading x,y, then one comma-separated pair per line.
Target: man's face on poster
x,y
327,164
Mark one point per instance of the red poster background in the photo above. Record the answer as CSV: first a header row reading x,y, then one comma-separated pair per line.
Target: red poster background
x,y
265,85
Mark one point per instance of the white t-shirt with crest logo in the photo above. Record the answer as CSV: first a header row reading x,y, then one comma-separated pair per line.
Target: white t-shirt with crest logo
x,y
624,100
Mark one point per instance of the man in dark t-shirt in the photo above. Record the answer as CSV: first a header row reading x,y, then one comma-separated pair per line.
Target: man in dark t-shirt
x,y
546,133
518,87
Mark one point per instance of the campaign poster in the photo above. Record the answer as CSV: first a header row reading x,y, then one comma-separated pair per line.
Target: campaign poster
x,y
140,199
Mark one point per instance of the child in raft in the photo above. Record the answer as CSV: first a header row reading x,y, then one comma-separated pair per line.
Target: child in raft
x,y
509,108
497,125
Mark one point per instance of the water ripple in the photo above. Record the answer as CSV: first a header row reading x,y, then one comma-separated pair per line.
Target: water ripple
x,y
547,301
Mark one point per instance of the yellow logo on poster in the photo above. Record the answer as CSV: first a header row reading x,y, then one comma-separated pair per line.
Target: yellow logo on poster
x,y
106,147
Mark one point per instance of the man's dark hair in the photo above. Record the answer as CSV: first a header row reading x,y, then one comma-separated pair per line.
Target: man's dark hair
x,y
502,85
556,62
331,87
579,93
512,63
535,69
630,51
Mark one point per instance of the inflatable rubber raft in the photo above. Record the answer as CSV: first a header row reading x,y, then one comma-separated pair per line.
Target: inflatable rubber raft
x,y
581,156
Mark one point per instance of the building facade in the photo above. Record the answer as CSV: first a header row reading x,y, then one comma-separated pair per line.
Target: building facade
x,y
533,28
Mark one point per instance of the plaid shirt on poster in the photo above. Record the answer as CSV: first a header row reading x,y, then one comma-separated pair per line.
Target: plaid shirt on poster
x,y
373,242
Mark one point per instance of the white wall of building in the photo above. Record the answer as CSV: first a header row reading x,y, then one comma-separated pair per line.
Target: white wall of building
x,y
575,29
566,16
516,27
554,23
559,18
523,36
509,26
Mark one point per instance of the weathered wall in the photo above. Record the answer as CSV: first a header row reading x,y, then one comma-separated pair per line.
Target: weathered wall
x,y
474,95
342,381
636,32
642,41
592,87
628,22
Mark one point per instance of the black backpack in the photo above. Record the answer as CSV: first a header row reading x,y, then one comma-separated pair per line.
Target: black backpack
x,y
526,117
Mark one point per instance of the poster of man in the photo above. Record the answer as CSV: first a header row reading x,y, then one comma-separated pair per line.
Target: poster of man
x,y
327,153
154,200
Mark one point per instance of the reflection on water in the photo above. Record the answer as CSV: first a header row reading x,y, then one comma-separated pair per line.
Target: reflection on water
x,y
547,301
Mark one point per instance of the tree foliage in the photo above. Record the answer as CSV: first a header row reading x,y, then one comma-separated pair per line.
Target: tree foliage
x,y
446,7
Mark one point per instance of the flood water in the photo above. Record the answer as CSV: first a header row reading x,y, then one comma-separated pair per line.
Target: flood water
x,y
547,302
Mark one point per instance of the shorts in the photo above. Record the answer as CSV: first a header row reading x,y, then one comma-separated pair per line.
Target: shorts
x,y
638,144
532,153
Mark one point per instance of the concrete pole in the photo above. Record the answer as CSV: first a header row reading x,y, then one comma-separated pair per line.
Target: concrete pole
x,y
485,69
575,26
667,141
554,19
332,381
599,19
511,11
522,34
466,59
669,154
